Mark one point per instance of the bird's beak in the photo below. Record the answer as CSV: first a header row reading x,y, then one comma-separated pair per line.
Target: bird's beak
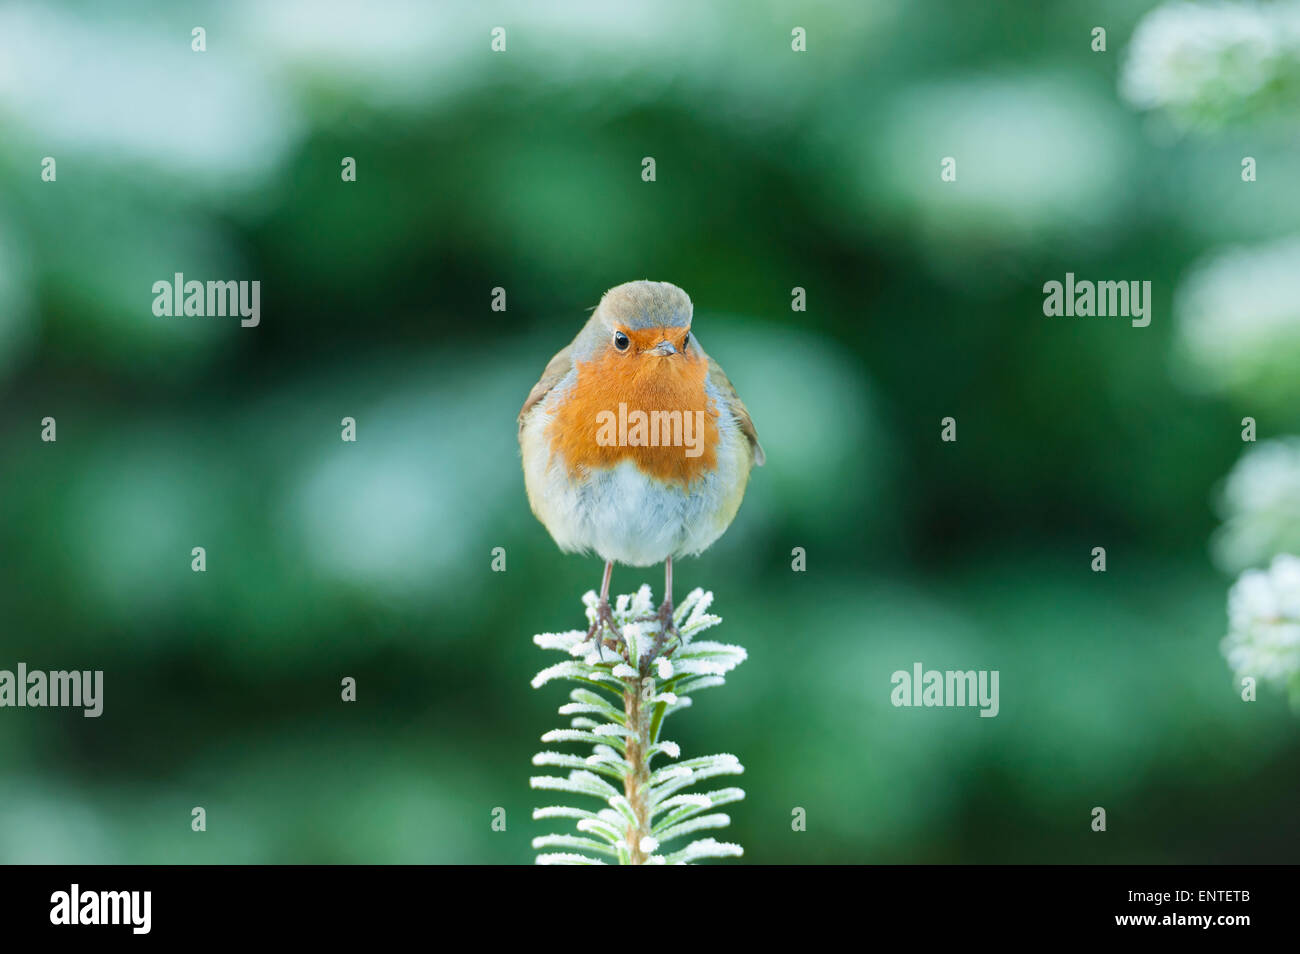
x,y
663,348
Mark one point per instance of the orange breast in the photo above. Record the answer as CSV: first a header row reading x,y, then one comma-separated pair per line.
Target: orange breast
x,y
641,407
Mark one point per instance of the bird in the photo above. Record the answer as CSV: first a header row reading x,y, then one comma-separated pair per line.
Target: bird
x,y
635,444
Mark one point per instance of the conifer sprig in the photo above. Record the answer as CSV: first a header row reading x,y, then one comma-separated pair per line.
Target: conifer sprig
x,y
618,711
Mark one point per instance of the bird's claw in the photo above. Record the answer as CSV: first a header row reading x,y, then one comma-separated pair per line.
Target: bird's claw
x,y
604,617
667,628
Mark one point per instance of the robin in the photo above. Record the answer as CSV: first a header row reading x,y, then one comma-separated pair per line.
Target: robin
x,y
635,445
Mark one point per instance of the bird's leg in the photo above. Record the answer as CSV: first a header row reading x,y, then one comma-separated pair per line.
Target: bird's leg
x,y
604,614
666,625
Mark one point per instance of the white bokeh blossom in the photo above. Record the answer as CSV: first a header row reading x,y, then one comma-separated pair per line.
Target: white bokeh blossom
x,y
1238,317
1260,504
1263,638
1203,64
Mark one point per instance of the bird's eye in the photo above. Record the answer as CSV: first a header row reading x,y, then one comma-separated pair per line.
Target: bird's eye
x,y
686,340
620,341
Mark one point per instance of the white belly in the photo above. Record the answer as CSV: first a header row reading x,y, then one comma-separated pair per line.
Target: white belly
x,y
623,515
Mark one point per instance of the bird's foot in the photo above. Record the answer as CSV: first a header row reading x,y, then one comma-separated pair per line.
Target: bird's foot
x,y
667,629
604,618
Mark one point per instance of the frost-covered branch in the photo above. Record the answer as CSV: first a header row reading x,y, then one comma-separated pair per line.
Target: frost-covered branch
x,y
617,712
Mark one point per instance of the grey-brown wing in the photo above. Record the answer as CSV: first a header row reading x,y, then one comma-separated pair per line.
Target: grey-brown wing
x,y
737,408
555,371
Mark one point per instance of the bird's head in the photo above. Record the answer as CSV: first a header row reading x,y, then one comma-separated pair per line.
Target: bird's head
x,y
646,324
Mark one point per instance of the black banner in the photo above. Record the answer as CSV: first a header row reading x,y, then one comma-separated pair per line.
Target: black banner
x,y
334,903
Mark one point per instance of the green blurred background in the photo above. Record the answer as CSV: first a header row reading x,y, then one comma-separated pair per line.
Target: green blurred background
x,y
522,170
